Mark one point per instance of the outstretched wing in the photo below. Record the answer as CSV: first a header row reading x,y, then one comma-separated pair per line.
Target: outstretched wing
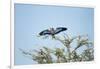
x,y
45,32
60,29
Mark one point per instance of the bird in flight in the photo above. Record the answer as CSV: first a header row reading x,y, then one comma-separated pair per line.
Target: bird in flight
x,y
52,31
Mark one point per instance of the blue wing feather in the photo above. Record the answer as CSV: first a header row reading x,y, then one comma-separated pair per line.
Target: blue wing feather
x,y
45,32
60,29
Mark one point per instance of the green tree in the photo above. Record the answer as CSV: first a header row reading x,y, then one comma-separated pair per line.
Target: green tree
x,y
67,53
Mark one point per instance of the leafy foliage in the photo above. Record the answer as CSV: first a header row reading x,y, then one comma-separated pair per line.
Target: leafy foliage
x,y
68,52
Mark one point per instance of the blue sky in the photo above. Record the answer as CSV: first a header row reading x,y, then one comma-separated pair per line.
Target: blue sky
x,y
32,19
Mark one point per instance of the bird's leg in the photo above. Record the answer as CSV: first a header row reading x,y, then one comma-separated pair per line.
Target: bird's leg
x,y
53,36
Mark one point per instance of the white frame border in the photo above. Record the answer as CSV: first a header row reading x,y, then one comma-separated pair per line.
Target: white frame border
x,y
39,2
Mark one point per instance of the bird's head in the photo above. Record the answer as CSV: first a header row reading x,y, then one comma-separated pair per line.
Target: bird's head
x,y
52,28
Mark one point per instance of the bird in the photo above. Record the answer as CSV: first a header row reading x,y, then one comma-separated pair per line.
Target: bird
x,y
52,31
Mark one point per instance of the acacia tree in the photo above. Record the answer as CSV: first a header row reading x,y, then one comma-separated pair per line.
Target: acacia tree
x,y
67,53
